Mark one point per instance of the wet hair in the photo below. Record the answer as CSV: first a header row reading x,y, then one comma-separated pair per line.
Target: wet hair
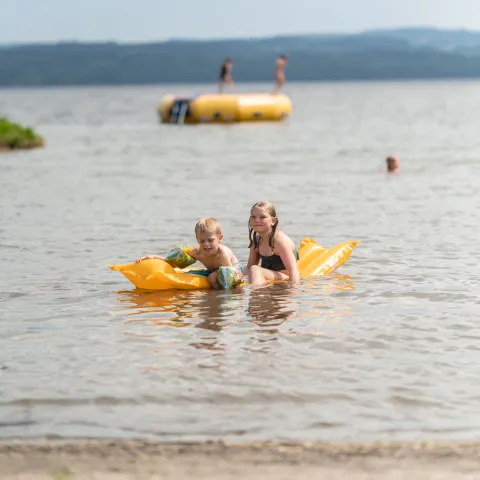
x,y
227,60
284,56
208,225
252,236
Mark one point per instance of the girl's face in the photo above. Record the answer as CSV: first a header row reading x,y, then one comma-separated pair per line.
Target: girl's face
x,y
261,221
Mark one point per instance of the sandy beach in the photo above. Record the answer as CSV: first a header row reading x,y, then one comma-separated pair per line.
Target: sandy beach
x,y
112,460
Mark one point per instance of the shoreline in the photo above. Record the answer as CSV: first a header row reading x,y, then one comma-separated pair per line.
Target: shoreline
x,y
5,148
111,459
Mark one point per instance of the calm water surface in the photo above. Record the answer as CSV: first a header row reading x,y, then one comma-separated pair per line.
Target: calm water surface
x,y
387,348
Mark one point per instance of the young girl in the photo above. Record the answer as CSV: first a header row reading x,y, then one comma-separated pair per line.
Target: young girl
x,y
280,73
273,248
226,74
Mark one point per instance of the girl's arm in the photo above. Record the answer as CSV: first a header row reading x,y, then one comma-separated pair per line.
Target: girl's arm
x,y
284,249
253,258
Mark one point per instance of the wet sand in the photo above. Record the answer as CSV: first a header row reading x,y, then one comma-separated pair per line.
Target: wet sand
x,y
121,460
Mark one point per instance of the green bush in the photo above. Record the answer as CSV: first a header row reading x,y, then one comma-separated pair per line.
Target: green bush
x,y
13,136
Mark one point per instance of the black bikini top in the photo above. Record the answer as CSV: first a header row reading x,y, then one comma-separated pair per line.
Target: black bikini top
x,y
274,262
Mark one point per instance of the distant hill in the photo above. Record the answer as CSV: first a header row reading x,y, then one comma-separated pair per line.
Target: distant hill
x,y
413,53
446,40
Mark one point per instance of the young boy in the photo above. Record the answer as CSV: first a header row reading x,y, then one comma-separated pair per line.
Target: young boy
x,y
210,251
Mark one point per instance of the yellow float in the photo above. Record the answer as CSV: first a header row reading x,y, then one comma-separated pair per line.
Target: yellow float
x,y
153,274
225,108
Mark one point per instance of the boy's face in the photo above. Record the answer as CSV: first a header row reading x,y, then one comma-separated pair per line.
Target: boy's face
x,y
209,242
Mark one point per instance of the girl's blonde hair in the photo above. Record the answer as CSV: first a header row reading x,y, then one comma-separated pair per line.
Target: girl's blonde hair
x,y
252,236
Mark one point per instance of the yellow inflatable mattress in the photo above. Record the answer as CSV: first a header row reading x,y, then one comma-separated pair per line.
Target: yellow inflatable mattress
x,y
152,274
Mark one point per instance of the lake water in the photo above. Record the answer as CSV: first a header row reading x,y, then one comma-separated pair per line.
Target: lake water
x,y
387,348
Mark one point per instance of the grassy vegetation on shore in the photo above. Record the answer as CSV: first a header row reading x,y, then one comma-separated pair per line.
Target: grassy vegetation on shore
x,y
14,136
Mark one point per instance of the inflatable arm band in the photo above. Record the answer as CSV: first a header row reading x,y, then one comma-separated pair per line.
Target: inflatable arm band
x,y
178,256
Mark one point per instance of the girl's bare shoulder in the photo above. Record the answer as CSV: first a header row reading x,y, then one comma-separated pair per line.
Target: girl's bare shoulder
x,y
283,240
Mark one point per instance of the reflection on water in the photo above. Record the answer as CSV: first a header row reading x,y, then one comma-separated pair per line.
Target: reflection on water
x,y
177,308
230,324
271,305
265,308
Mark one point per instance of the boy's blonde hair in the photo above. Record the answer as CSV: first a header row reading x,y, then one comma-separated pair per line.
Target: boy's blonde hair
x,y
209,225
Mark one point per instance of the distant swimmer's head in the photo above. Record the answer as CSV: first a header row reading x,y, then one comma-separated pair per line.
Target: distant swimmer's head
x,y
392,164
209,235
228,61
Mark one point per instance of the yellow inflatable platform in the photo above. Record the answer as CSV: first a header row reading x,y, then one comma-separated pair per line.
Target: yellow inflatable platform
x,y
152,274
226,108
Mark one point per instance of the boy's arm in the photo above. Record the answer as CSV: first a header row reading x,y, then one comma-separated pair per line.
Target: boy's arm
x,y
193,252
228,254
149,257
233,258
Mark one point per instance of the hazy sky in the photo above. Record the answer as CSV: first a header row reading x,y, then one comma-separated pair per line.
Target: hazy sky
x,y
152,20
